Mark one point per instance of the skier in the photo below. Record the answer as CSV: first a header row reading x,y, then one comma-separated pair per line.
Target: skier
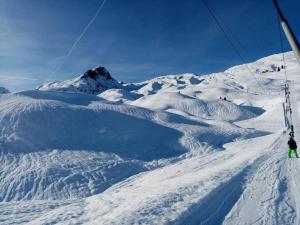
x,y
292,147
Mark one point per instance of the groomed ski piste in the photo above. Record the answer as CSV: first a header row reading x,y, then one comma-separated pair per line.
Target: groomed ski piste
x,y
165,151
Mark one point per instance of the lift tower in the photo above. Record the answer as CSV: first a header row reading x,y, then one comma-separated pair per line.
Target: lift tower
x,y
288,32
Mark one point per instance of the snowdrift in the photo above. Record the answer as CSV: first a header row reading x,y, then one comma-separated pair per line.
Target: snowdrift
x,y
177,102
159,83
34,121
119,95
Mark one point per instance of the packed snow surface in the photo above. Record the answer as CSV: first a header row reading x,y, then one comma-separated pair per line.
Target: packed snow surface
x,y
179,149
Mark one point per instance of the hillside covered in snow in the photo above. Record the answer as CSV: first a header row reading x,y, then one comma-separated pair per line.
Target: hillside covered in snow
x,y
176,149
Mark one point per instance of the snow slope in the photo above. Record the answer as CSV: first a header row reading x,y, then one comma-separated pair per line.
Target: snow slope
x,y
58,174
41,121
60,145
164,151
217,109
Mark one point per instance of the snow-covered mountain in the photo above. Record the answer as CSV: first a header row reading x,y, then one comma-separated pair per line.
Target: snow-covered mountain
x,y
92,82
176,149
4,90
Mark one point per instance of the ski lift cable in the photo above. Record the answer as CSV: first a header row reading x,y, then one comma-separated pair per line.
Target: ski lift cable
x,y
234,36
238,41
236,50
77,40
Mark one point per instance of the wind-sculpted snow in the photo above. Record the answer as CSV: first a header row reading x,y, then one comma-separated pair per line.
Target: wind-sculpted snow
x,y
218,109
42,133
119,95
60,145
33,121
155,85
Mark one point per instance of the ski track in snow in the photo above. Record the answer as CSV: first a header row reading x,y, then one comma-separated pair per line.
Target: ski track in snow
x,y
266,199
230,165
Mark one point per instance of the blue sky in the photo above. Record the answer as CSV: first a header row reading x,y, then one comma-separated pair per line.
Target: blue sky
x,y
134,39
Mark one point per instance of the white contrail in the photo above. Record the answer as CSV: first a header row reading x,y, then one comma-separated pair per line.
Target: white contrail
x,y
77,40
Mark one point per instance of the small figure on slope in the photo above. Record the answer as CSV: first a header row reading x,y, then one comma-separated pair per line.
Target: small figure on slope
x,y
292,147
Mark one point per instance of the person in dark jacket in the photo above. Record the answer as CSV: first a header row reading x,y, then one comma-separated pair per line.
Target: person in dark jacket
x,y
292,147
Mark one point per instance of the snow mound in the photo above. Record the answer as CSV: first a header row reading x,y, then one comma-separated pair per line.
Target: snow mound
x,y
35,120
119,95
154,85
177,102
91,82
